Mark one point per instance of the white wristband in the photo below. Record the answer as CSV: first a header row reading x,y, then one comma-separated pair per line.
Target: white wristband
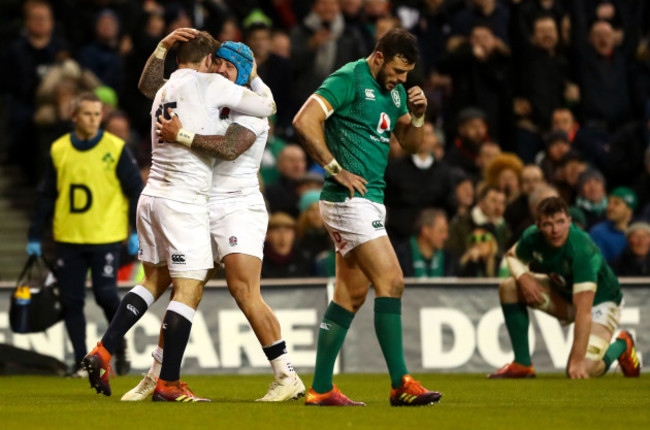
x,y
185,137
160,52
417,122
333,167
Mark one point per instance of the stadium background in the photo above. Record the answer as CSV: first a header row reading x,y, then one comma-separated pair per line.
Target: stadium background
x,y
103,44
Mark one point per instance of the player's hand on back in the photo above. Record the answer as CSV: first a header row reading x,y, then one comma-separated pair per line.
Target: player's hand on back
x,y
167,129
352,182
179,35
531,290
416,102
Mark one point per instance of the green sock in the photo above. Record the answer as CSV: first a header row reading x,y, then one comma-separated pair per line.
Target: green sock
x,y
388,327
615,350
516,316
331,335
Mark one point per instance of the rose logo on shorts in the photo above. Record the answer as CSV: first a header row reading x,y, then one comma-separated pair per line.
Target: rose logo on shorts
x,y
232,240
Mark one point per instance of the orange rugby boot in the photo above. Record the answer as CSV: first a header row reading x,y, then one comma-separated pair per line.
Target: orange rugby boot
x,y
97,363
629,361
513,371
411,393
334,397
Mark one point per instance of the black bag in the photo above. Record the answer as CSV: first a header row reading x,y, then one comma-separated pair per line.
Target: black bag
x,y
35,304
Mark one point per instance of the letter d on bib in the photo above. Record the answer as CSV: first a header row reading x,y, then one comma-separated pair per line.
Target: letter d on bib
x,y
79,203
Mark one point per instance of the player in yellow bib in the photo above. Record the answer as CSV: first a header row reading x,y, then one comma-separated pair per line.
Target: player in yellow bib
x,y
91,186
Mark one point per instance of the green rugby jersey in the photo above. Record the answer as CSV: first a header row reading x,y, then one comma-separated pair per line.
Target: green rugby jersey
x,y
578,260
358,132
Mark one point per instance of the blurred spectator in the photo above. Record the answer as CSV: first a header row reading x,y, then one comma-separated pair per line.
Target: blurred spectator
x,y
281,44
482,257
578,217
311,181
273,69
432,32
566,179
283,195
118,123
504,172
518,214
527,11
423,254
30,57
320,45
282,259
642,186
229,31
592,197
489,152
557,145
311,234
602,70
463,196
413,183
274,145
609,235
635,258
624,162
490,13
481,76
355,21
542,74
488,210
102,56
472,133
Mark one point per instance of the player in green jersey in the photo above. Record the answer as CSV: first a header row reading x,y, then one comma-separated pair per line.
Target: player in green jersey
x,y
558,269
346,127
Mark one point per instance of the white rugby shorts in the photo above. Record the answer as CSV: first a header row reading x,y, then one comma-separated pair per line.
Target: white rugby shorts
x,y
238,225
174,233
353,222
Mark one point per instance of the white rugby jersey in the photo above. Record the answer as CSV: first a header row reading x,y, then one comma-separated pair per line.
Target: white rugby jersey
x,y
178,173
239,176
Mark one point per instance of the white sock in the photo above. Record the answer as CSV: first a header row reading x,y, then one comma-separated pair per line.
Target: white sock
x,y
282,367
157,355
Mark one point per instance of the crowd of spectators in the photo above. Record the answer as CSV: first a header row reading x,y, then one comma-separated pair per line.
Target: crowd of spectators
x,y
527,98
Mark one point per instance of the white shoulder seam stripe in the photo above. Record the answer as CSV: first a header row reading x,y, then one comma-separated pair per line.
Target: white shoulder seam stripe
x,y
584,286
322,105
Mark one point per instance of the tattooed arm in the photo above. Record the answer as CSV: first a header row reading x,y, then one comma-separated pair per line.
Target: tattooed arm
x,y
236,141
152,76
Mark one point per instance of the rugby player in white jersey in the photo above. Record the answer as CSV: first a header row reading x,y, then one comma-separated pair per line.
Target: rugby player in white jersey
x,y
238,221
173,220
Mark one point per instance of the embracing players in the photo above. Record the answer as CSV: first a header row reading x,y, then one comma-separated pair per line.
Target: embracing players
x,y
173,219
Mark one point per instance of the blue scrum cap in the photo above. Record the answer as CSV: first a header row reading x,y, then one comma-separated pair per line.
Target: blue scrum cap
x,y
241,56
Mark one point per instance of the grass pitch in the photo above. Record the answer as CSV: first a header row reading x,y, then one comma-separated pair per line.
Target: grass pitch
x,y
469,402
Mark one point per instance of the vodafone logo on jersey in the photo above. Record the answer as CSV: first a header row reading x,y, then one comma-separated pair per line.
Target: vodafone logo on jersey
x,y
384,123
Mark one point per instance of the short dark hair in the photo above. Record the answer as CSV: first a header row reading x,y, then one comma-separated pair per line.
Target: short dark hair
x,y
86,96
398,42
195,49
485,190
428,217
551,206
256,26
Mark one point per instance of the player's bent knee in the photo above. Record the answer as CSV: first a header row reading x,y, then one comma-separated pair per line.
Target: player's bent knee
x,y
596,348
508,290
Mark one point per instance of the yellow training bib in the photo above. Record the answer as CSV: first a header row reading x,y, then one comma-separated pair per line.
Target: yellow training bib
x,y
90,207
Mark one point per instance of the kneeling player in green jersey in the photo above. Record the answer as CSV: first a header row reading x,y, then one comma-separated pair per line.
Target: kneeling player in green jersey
x,y
350,118
558,269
